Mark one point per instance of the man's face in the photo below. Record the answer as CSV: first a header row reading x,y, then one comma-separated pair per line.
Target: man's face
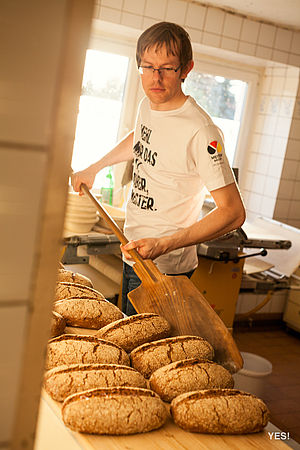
x,y
163,91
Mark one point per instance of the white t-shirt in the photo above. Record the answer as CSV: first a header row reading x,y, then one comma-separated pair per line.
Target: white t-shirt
x,y
176,154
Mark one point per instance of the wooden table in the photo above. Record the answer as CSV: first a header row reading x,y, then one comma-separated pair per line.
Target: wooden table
x,y
53,434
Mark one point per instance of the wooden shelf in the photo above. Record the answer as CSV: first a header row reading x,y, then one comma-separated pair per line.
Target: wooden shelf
x,y
51,433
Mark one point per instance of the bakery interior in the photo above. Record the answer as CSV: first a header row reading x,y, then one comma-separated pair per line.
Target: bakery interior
x,y
251,278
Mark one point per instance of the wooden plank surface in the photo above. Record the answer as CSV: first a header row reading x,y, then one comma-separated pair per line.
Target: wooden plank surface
x,y
169,437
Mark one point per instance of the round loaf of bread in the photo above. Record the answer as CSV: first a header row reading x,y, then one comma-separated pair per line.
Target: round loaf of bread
x,y
189,375
220,411
67,290
151,356
115,411
63,381
58,324
73,277
87,312
135,330
81,349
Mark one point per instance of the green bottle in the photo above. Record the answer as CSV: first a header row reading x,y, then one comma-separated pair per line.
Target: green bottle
x,y
107,189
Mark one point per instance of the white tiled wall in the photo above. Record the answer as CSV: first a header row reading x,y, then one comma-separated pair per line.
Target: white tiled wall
x,y
209,25
287,208
156,9
267,161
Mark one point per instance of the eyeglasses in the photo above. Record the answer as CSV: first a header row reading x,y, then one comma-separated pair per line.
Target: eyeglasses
x,y
166,72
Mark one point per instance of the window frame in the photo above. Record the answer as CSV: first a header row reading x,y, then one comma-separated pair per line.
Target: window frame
x,y
132,95
250,75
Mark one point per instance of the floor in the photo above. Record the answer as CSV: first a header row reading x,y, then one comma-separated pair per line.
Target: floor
x,y
282,389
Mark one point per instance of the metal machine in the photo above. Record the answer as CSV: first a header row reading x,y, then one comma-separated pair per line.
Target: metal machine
x,y
78,248
221,275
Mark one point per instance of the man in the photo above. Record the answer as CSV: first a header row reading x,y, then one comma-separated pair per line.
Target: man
x,y
176,150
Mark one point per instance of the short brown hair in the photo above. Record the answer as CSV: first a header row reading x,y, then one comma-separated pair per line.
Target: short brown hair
x,y
173,36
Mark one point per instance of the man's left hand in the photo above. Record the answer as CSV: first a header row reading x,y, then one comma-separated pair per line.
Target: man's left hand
x,y
148,248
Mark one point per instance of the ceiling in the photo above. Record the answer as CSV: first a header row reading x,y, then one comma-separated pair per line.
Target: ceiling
x,y
282,12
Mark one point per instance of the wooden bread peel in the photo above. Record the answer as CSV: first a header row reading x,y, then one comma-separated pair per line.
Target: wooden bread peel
x,y
178,300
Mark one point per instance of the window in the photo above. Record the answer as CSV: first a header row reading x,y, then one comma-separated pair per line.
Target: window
x,y
224,99
100,108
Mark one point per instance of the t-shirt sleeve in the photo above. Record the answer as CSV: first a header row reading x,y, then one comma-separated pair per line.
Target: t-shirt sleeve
x,y
208,154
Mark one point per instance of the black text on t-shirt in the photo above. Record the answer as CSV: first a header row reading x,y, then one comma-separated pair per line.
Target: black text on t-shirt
x,y
144,153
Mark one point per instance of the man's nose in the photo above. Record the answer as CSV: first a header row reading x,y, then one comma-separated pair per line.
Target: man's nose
x,y
156,74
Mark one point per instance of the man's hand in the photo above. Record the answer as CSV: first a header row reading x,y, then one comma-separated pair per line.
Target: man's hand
x,y
148,248
86,176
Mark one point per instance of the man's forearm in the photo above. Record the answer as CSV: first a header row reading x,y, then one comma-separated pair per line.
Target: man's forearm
x,y
123,151
213,225
216,223
228,215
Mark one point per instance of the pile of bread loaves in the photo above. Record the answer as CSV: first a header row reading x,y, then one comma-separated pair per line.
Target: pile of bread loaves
x,y
120,379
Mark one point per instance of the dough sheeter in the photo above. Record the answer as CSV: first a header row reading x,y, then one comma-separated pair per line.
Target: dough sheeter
x,y
235,263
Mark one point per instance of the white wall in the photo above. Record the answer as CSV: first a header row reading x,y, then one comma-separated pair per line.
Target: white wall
x,y
287,207
266,158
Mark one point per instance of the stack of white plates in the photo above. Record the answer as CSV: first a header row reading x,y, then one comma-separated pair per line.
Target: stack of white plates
x,y
117,214
81,215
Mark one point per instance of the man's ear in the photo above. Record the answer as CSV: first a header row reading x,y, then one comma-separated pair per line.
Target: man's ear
x,y
186,70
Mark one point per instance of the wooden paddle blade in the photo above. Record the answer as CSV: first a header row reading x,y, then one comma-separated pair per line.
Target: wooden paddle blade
x,y
188,312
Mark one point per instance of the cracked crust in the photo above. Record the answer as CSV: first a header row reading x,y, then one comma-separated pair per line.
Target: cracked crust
x,y
58,324
220,411
114,411
135,330
81,349
189,375
63,381
87,312
151,356
67,290
65,275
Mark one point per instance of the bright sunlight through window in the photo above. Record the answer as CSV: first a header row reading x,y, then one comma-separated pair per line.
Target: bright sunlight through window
x,y
99,109
223,99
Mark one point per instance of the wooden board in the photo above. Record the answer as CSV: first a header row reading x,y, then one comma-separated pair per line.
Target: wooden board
x,y
169,437
255,265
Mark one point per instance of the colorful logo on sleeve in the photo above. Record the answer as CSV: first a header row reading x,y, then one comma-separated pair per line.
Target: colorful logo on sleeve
x,y
215,150
214,147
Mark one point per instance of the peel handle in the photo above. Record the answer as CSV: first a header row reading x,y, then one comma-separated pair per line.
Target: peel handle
x,y
109,220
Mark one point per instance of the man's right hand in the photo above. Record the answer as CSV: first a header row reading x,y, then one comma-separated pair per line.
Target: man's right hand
x,y
86,176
